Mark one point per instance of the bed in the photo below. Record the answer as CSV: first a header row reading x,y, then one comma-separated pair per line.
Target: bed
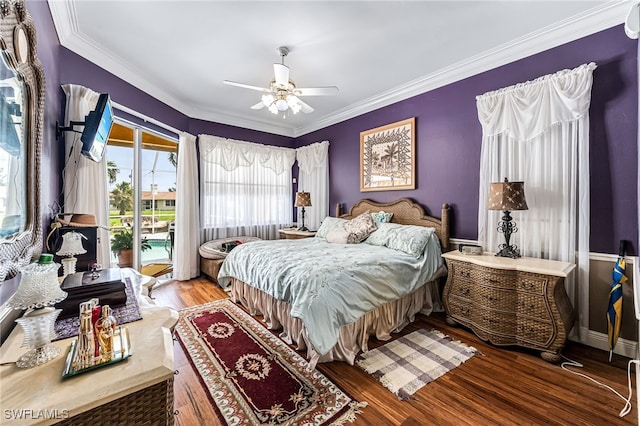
x,y
328,297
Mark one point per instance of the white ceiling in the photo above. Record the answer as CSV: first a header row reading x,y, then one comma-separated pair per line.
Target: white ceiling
x,y
376,52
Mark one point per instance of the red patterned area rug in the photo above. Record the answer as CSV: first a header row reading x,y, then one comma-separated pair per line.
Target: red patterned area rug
x,y
252,377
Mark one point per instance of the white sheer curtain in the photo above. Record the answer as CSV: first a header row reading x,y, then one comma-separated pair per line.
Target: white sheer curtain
x,y
313,177
245,188
186,263
538,132
85,181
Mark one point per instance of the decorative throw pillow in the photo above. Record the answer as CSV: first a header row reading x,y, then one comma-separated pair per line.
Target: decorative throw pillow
x,y
342,237
382,217
328,224
410,239
361,225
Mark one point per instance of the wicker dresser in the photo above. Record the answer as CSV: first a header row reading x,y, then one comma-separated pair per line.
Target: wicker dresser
x,y
510,301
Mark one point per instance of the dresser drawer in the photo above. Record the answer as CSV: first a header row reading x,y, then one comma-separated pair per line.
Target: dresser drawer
x,y
494,278
535,333
460,270
494,298
463,288
498,323
533,306
459,308
532,283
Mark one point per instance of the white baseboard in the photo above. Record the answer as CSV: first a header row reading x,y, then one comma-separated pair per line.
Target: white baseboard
x,y
624,347
607,257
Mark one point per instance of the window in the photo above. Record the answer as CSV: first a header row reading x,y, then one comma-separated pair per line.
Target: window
x,y
246,188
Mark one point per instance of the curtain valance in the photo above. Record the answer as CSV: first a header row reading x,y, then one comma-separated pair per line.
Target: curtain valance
x,y
312,156
231,154
526,110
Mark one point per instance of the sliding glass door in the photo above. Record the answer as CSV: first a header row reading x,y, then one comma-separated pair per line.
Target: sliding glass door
x,y
142,191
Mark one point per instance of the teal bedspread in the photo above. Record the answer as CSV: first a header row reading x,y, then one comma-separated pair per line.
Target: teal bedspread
x,y
329,285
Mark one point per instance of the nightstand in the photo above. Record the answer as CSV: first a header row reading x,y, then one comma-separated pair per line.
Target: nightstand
x,y
510,301
294,234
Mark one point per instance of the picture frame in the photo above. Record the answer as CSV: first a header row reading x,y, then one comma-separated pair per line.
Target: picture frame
x,y
388,157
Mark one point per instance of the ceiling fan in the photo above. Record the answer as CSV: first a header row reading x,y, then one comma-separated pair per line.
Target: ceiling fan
x,y
282,94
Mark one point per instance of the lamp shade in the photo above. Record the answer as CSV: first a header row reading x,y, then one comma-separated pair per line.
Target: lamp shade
x,y
39,286
303,199
71,244
507,196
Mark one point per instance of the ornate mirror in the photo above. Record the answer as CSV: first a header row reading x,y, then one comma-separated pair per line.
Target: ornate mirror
x,y
21,118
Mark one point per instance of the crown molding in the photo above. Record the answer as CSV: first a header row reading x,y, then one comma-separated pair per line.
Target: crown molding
x,y
599,18
589,22
242,121
64,18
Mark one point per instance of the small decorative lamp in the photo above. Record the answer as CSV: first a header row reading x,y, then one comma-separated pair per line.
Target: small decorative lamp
x,y
303,199
71,245
507,196
38,291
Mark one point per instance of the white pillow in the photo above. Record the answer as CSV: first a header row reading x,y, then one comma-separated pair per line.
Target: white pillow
x,y
410,239
328,224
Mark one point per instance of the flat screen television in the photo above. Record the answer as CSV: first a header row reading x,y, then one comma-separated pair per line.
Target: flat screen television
x,y
97,126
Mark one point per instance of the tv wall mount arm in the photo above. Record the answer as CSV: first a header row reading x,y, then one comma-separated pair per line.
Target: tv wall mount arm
x,y
69,128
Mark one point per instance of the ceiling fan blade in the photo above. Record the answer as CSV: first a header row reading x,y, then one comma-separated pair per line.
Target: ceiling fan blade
x,y
259,105
281,72
316,91
306,108
247,86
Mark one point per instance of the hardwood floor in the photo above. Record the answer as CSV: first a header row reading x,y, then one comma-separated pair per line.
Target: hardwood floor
x,y
496,387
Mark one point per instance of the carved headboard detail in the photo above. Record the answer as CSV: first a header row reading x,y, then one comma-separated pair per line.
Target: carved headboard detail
x,y
406,212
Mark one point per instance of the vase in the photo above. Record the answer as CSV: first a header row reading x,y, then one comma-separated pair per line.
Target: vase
x,y
125,258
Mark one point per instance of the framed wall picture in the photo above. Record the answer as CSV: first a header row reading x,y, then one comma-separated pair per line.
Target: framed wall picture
x,y
388,157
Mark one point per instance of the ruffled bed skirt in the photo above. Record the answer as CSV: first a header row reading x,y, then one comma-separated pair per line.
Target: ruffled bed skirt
x,y
381,322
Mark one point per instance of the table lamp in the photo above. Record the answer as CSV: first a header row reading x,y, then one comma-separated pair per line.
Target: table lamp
x,y
71,245
38,291
507,196
303,199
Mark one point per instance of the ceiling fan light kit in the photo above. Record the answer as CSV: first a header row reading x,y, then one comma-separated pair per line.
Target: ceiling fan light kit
x,y
282,95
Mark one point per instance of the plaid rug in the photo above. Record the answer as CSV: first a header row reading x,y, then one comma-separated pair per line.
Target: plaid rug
x,y
405,365
252,377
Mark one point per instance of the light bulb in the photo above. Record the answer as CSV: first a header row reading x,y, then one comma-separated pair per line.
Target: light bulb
x,y
282,105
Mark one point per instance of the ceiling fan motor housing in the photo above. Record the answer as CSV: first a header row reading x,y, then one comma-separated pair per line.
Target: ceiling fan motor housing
x,y
282,51
282,93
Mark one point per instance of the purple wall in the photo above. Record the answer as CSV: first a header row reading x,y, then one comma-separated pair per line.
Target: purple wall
x,y
51,160
449,139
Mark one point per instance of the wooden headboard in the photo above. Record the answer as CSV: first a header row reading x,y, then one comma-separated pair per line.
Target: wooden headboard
x,y
406,212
